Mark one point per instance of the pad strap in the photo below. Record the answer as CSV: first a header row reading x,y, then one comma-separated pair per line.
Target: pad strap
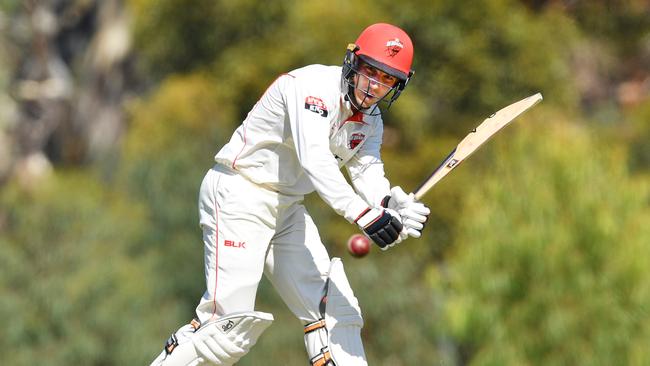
x,y
323,358
172,341
314,332
314,326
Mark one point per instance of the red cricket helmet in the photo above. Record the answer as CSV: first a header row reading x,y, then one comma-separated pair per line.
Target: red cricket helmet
x,y
385,47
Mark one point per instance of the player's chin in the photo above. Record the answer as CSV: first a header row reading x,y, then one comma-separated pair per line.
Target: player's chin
x,y
367,102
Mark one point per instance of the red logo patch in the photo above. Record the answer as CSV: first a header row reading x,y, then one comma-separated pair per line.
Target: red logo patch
x,y
393,47
234,244
355,140
316,105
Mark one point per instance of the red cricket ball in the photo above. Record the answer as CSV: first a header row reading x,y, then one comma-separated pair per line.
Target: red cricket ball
x,y
358,245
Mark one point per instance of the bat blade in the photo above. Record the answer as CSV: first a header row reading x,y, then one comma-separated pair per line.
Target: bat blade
x,y
475,139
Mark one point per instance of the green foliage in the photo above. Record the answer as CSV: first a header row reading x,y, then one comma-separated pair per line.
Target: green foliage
x,y
639,135
9,6
72,288
553,255
179,36
625,26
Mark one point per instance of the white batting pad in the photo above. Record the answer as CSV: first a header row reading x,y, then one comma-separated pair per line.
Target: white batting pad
x,y
222,341
343,319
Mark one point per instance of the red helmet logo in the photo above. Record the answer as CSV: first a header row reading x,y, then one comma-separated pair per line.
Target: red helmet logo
x,y
393,46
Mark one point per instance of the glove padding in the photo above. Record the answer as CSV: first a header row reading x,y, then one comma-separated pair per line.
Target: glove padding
x,y
413,214
382,226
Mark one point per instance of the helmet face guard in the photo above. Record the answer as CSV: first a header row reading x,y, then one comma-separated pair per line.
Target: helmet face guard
x,y
386,48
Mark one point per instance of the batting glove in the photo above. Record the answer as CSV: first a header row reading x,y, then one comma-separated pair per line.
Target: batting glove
x,y
382,226
413,214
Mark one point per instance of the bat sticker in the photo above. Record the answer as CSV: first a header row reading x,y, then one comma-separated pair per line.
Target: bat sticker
x,y
452,163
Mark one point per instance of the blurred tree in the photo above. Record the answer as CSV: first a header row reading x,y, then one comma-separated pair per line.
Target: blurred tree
x,y
66,73
613,64
8,107
638,136
74,291
180,36
626,27
553,255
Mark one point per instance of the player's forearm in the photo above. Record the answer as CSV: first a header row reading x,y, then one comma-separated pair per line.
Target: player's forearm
x,y
331,186
370,182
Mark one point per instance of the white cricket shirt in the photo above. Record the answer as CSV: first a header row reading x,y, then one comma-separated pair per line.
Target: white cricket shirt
x,y
298,136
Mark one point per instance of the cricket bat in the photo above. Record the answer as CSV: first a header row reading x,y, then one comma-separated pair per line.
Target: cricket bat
x,y
475,139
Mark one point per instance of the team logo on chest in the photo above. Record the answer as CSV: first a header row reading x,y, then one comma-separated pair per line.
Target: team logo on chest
x,y
316,105
355,140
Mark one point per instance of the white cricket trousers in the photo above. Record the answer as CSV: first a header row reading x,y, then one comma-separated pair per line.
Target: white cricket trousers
x,y
249,230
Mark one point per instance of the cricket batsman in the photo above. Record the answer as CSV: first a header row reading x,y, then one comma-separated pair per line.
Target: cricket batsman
x,y
308,124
